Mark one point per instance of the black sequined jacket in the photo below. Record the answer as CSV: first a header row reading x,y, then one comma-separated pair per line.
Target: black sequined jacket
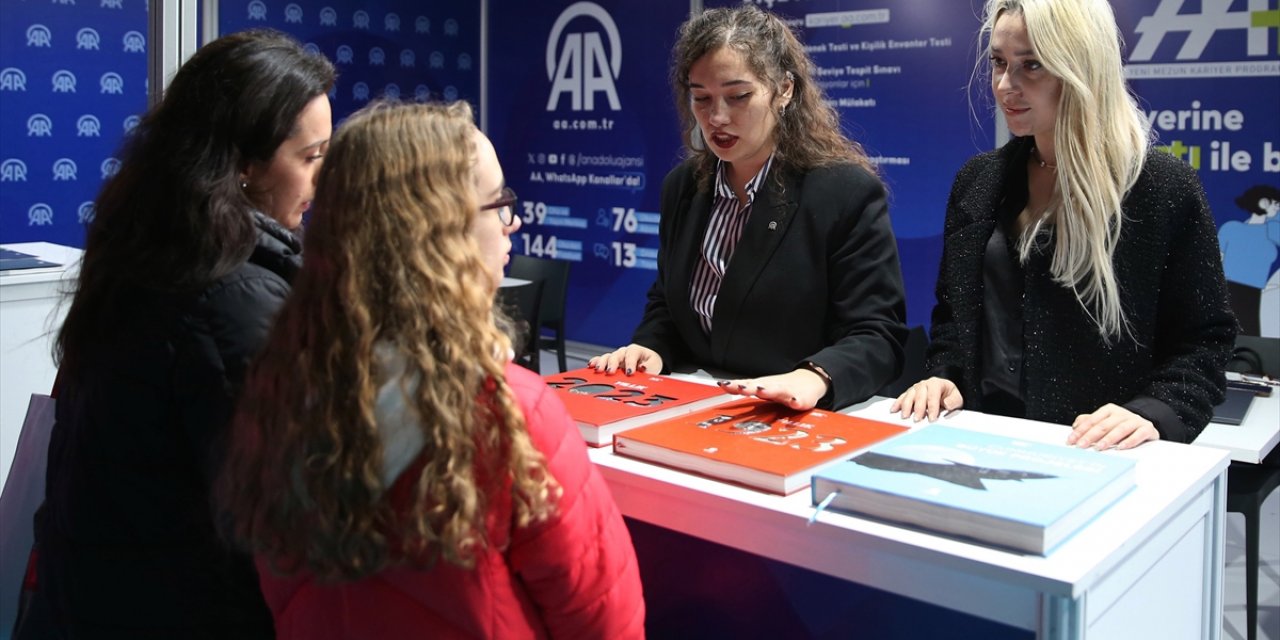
x,y
1172,288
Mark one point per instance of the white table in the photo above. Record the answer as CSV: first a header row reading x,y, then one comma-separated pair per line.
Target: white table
x,y
31,312
1254,438
1149,567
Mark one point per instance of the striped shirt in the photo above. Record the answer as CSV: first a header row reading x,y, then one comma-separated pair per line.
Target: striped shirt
x,y
723,231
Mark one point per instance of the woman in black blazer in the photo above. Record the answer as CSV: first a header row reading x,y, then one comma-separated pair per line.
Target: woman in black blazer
x,y
777,260
1081,281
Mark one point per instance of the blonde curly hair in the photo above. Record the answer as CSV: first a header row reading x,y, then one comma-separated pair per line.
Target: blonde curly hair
x,y
389,263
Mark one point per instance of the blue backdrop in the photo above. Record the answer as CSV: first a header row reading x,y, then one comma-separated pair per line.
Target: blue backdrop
x,y
580,111
394,48
73,79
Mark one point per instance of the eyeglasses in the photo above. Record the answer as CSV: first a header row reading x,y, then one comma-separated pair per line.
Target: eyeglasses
x,y
506,206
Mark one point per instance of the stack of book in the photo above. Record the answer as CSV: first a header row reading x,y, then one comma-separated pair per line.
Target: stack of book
x,y
1003,491
760,444
605,404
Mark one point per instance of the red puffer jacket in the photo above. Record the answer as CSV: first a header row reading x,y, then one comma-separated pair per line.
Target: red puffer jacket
x,y
572,577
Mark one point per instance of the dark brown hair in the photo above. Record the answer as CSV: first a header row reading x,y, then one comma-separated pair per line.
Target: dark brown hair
x,y
808,133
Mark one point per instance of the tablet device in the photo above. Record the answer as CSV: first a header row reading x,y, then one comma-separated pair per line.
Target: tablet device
x,y
1233,409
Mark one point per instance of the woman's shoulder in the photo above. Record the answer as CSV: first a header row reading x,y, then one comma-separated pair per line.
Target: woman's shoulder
x,y
553,432
1166,187
840,182
541,408
1162,167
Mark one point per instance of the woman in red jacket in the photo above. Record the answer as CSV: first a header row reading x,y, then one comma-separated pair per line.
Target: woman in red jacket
x,y
394,474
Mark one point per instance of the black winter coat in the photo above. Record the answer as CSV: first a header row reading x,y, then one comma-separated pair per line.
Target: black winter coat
x,y
128,546
1171,286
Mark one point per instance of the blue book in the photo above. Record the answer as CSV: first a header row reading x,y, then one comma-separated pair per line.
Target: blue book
x,y
1003,491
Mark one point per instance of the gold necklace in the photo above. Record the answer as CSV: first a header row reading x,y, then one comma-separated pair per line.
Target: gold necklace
x,y
1043,165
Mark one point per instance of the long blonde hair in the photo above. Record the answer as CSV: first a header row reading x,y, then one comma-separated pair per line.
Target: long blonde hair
x,y
1101,141
389,261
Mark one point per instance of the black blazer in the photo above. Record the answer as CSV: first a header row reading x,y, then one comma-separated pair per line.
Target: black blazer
x,y
1171,285
815,277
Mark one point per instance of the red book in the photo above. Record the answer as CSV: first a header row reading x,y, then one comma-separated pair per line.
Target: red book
x,y
756,443
604,404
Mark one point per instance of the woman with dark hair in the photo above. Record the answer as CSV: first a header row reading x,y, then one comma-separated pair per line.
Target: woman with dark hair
x,y
185,264
1079,281
777,258
396,475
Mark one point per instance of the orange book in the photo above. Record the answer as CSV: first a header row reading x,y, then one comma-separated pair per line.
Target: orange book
x,y
756,443
606,404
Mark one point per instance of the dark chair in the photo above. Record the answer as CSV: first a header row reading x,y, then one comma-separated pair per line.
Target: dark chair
x,y
1249,485
912,363
554,276
522,302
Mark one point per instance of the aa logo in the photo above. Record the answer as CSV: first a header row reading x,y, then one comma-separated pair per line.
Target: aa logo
x,y
377,57
84,215
109,167
88,126
311,48
391,91
451,27
360,20
581,65
328,17
12,79
408,58
257,10
422,25
64,81
360,92
1257,24
134,42
111,82
38,36
345,54
87,39
293,13
39,215
64,170
391,22
39,126
13,170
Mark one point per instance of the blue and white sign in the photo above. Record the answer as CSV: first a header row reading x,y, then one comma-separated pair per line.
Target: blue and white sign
x,y
582,116
1208,77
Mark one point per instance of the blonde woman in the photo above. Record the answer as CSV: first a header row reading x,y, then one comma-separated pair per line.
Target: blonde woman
x,y
1080,280
395,475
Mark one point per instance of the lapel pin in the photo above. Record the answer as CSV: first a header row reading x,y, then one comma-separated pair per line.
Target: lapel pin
x,y
773,226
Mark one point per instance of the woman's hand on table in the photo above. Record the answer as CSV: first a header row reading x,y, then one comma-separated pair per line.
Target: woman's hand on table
x,y
1111,426
628,359
800,389
931,398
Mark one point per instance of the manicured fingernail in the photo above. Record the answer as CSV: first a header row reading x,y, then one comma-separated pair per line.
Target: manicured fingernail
x,y
742,386
630,371
722,383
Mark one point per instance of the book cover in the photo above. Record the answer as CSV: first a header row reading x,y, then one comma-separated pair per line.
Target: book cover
x,y
1005,491
756,443
605,404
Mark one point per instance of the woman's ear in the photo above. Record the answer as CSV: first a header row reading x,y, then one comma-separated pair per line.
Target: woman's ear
x,y
788,87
